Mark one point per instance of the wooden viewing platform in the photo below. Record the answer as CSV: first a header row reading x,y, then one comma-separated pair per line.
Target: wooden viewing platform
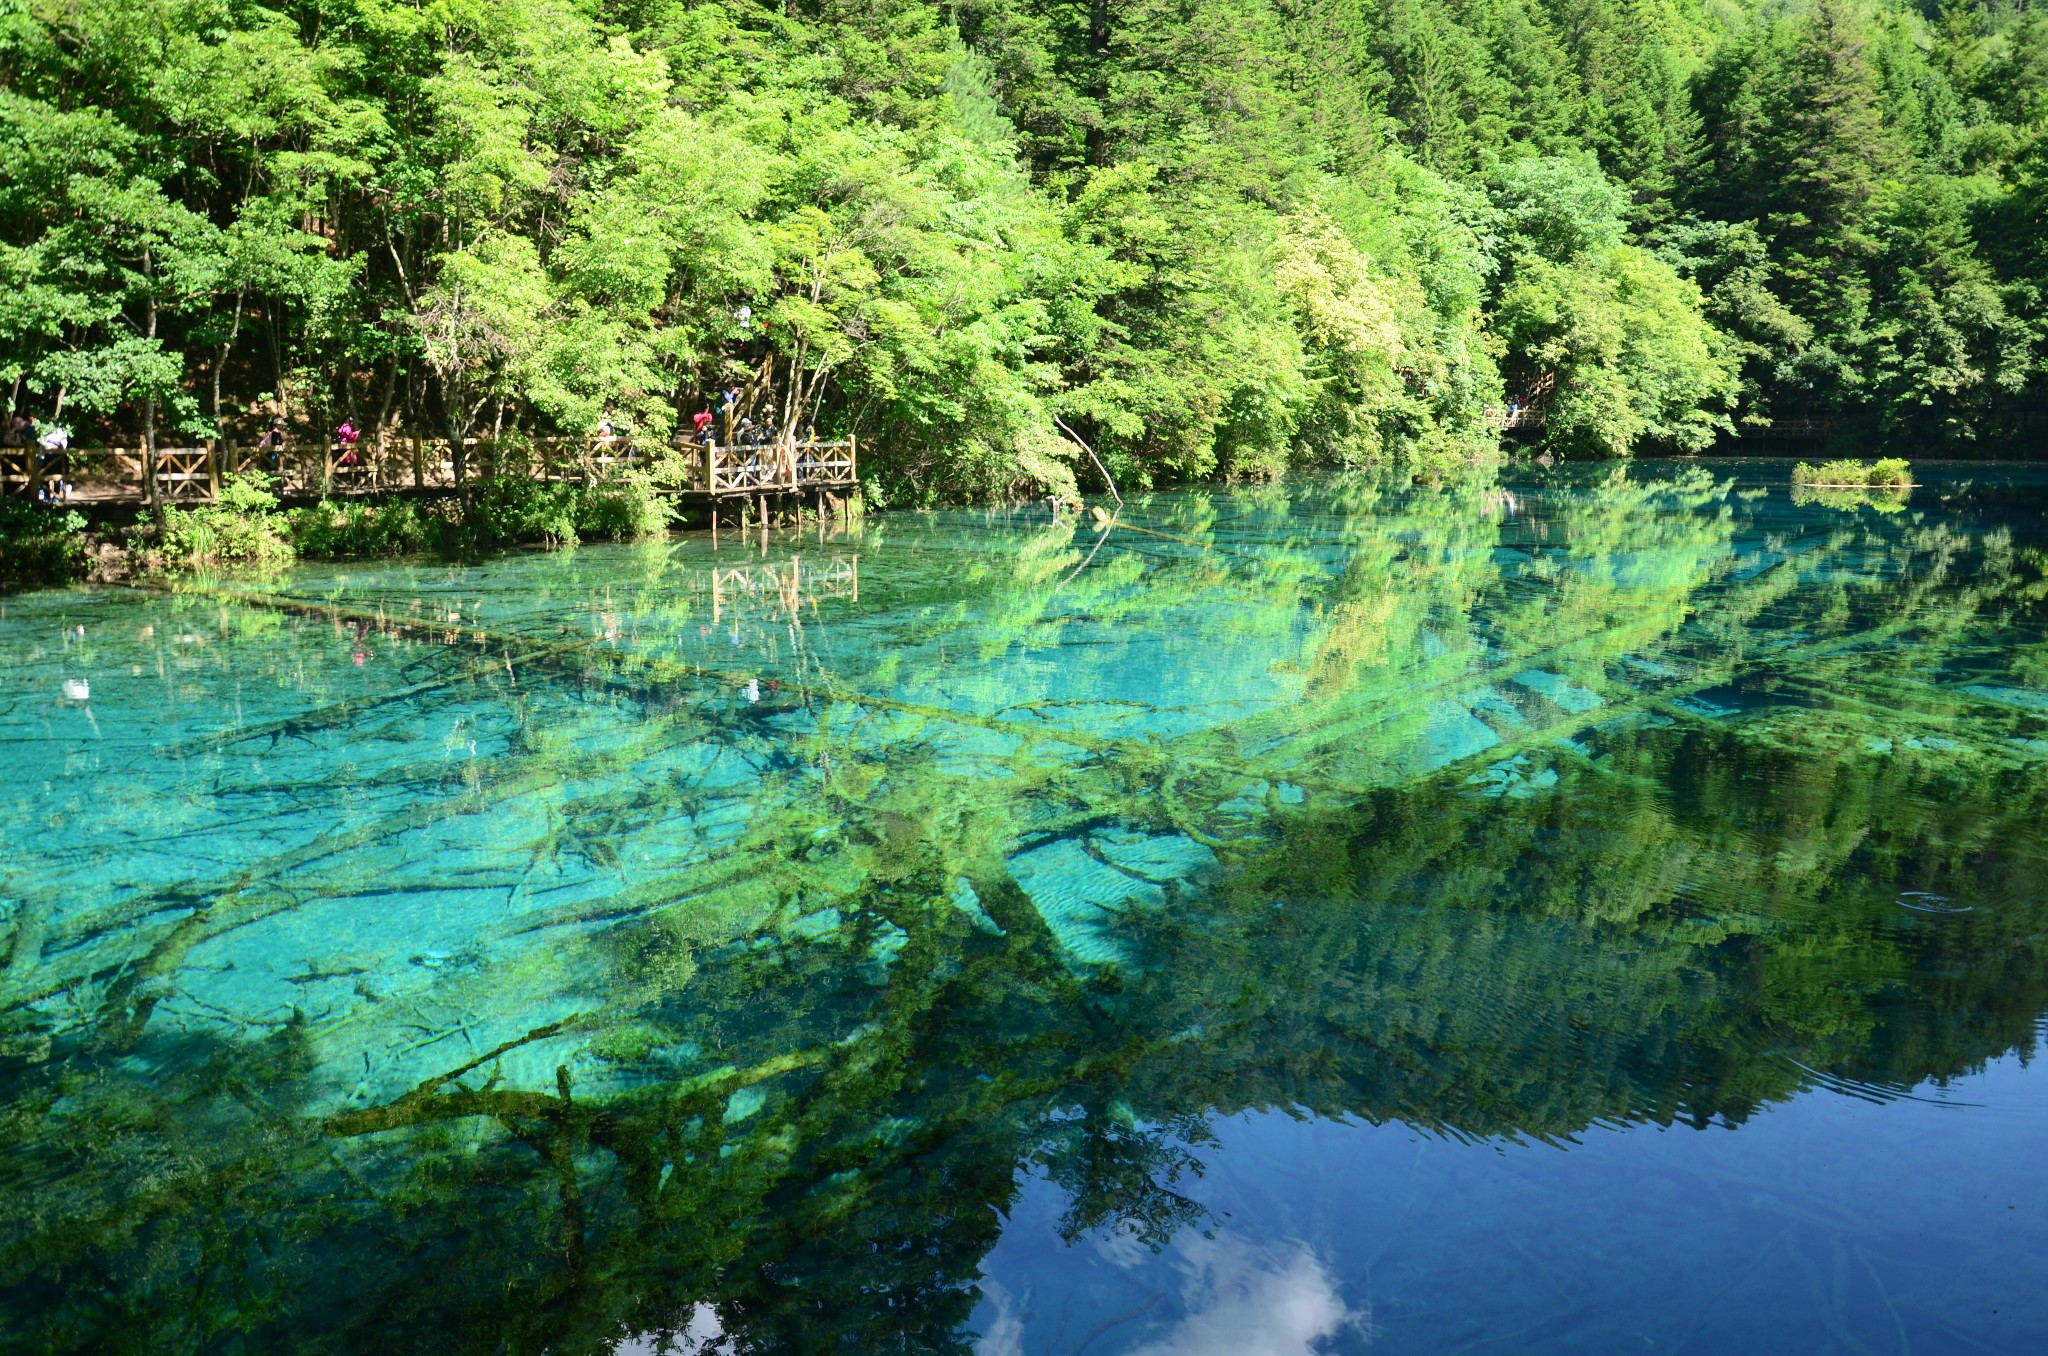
x,y
193,475
721,471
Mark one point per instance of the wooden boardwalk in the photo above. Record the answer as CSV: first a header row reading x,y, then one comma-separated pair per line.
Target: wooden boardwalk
x,y
722,472
193,475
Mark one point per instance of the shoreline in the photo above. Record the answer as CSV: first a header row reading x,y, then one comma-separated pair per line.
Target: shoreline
x,y
107,559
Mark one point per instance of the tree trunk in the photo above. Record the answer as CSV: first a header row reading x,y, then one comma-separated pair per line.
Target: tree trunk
x,y
222,361
451,420
384,405
149,486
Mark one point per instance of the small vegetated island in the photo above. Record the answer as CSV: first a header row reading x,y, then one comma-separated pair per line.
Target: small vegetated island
x,y
1882,484
1003,242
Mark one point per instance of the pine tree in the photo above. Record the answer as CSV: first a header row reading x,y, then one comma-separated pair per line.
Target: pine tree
x,y
1824,157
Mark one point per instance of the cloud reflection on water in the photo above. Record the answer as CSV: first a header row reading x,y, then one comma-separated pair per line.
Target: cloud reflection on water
x,y
1235,1298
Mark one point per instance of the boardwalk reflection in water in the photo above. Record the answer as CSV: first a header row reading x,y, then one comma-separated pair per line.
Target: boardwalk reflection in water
x,y
631,946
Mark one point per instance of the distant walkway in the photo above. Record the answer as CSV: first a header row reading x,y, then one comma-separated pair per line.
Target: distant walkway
x,y
188,475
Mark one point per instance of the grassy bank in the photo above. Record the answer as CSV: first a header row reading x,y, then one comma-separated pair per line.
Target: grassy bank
x,y
250,528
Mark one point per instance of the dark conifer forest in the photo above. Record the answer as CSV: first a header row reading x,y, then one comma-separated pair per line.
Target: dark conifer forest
x,y
1200,237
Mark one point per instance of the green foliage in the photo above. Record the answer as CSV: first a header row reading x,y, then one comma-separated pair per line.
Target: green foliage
x,y
505,509
395,527
622,510
1886,473
39,544
1604,338
244,528
502,510
981,236
1880,167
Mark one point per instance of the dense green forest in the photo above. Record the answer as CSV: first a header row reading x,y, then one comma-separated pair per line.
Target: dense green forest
x,y
1200,237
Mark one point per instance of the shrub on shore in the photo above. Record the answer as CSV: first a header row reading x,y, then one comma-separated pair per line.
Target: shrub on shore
x,y
397,527
247,529
623,510
40,545
244,527
510,509
501,511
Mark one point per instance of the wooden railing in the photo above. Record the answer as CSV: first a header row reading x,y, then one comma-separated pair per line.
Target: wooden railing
x,y
19,472
720,470
186,473
376,466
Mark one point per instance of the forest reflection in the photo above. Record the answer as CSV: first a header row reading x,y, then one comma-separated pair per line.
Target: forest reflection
x,y
665,952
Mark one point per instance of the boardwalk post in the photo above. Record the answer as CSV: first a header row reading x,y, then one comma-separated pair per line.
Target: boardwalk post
x,y
212,473
417,481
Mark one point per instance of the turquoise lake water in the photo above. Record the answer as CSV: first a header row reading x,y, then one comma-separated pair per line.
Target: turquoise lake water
x,y
1594,912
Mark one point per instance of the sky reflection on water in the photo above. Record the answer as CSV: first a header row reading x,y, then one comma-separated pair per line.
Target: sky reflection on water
x,y
1829,1223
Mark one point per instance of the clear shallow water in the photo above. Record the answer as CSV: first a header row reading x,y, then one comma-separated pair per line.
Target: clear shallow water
x,y
1338,918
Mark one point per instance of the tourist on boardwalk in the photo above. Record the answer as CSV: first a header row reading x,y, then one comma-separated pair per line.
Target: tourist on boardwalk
x,y
270,447
701,422
19,430
345,439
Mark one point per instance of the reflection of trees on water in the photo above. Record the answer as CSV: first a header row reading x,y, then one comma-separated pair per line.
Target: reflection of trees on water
x,y
1495,825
